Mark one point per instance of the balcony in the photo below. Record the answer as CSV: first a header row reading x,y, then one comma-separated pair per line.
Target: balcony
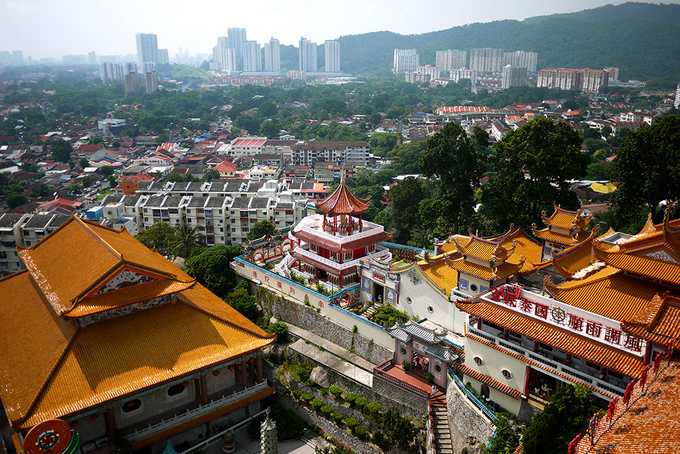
x,y
190,414
612,386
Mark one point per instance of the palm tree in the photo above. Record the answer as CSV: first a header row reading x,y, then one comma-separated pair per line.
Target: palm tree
x,y
186,239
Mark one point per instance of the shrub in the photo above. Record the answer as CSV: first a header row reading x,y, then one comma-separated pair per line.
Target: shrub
x,y
317,403
326,409
300,372
349,397
373,408
297,393
361,432
350,422
281,331
429,377
406,365
307,397
337,416
335,390
360,402
388,316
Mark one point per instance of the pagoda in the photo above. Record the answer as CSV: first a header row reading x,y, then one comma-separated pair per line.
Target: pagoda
x,y
332,242
564,228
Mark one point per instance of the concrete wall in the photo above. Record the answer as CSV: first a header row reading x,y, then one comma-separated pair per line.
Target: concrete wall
x,y
334,328
154,403
410,399
470,429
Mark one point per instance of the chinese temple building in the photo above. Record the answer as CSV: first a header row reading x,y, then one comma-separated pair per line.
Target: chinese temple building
x,y
564,228
332,242
617,309
109,336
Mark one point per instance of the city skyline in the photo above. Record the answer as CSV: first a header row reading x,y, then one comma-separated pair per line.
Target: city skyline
x,y
67,31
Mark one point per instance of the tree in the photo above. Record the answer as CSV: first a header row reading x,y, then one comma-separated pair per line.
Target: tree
x,y
161,237
61,150
260,229
648,170
210,175
244,302
506,438
567,414
404,200
185,240
532,166
107,171
15,200
211,268
84,163
453,158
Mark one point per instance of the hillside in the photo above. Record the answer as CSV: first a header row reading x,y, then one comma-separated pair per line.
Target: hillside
x,y
642,39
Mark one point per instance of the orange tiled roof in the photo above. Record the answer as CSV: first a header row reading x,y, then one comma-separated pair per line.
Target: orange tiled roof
x,y
659,322
564,226
545,333
653,253
52,367
607,292
94,253
480,377
575,257
126,296
441,275
648,424
342,201
501,272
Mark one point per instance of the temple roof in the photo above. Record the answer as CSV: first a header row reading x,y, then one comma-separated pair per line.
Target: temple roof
x,y
342,201
572,343
647,423
52,366
659,322
72,261
653,253
564,226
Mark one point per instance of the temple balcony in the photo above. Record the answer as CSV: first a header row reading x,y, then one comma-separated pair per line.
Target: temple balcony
x,y
311,227
560,365
230,398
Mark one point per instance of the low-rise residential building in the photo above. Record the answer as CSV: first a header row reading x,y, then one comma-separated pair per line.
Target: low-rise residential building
x,y
341,153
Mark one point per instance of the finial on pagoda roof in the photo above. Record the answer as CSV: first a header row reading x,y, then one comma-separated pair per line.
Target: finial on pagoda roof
x,y
342,201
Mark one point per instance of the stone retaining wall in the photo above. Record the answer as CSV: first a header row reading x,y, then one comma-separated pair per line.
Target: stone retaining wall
x,y
399,400
306,317
340,435
470,429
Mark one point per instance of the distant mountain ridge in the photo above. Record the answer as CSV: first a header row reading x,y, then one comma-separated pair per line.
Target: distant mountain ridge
x,y
642,39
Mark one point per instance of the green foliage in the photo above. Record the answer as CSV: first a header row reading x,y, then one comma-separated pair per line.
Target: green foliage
x,y
317,403
160,237
429,377
360,402
405,198
361,432
244,302
280,329
373,408
260,229
326,409
288,424
300,372
185,241
335,390
532,165
567,414
349,397
211,268
61,150
337,417
454,160
506,437
210,175
387,316
106,171
648,169
307,396
394,431
350,422
15,200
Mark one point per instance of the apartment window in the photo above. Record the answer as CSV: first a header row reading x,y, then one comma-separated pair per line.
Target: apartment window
x,y
132,406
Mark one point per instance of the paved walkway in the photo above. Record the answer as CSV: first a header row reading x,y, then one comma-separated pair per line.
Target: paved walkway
x,y
332,356
335,349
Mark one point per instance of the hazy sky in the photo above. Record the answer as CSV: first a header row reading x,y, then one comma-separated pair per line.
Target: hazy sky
x,y
56,27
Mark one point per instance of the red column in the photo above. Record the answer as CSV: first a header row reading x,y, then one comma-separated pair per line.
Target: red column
x,y
527,374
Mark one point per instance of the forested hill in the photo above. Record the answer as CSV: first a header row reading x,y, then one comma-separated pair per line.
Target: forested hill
x,y
642,39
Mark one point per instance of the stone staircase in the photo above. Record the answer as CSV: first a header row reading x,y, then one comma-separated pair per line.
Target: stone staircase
x,y
440,423
372,310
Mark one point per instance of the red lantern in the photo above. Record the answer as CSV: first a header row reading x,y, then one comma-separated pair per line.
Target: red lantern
x,y
628,392
611,409
571,448
643,376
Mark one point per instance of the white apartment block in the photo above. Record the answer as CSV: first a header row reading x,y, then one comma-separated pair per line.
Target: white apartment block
x,y
147,51
252,57
425,73
307,57
676,104
23,230
246,146
332,56
272,56
522,59
585,79
448,60
341,153
514,76
459,74
222,211
487,60
405,60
